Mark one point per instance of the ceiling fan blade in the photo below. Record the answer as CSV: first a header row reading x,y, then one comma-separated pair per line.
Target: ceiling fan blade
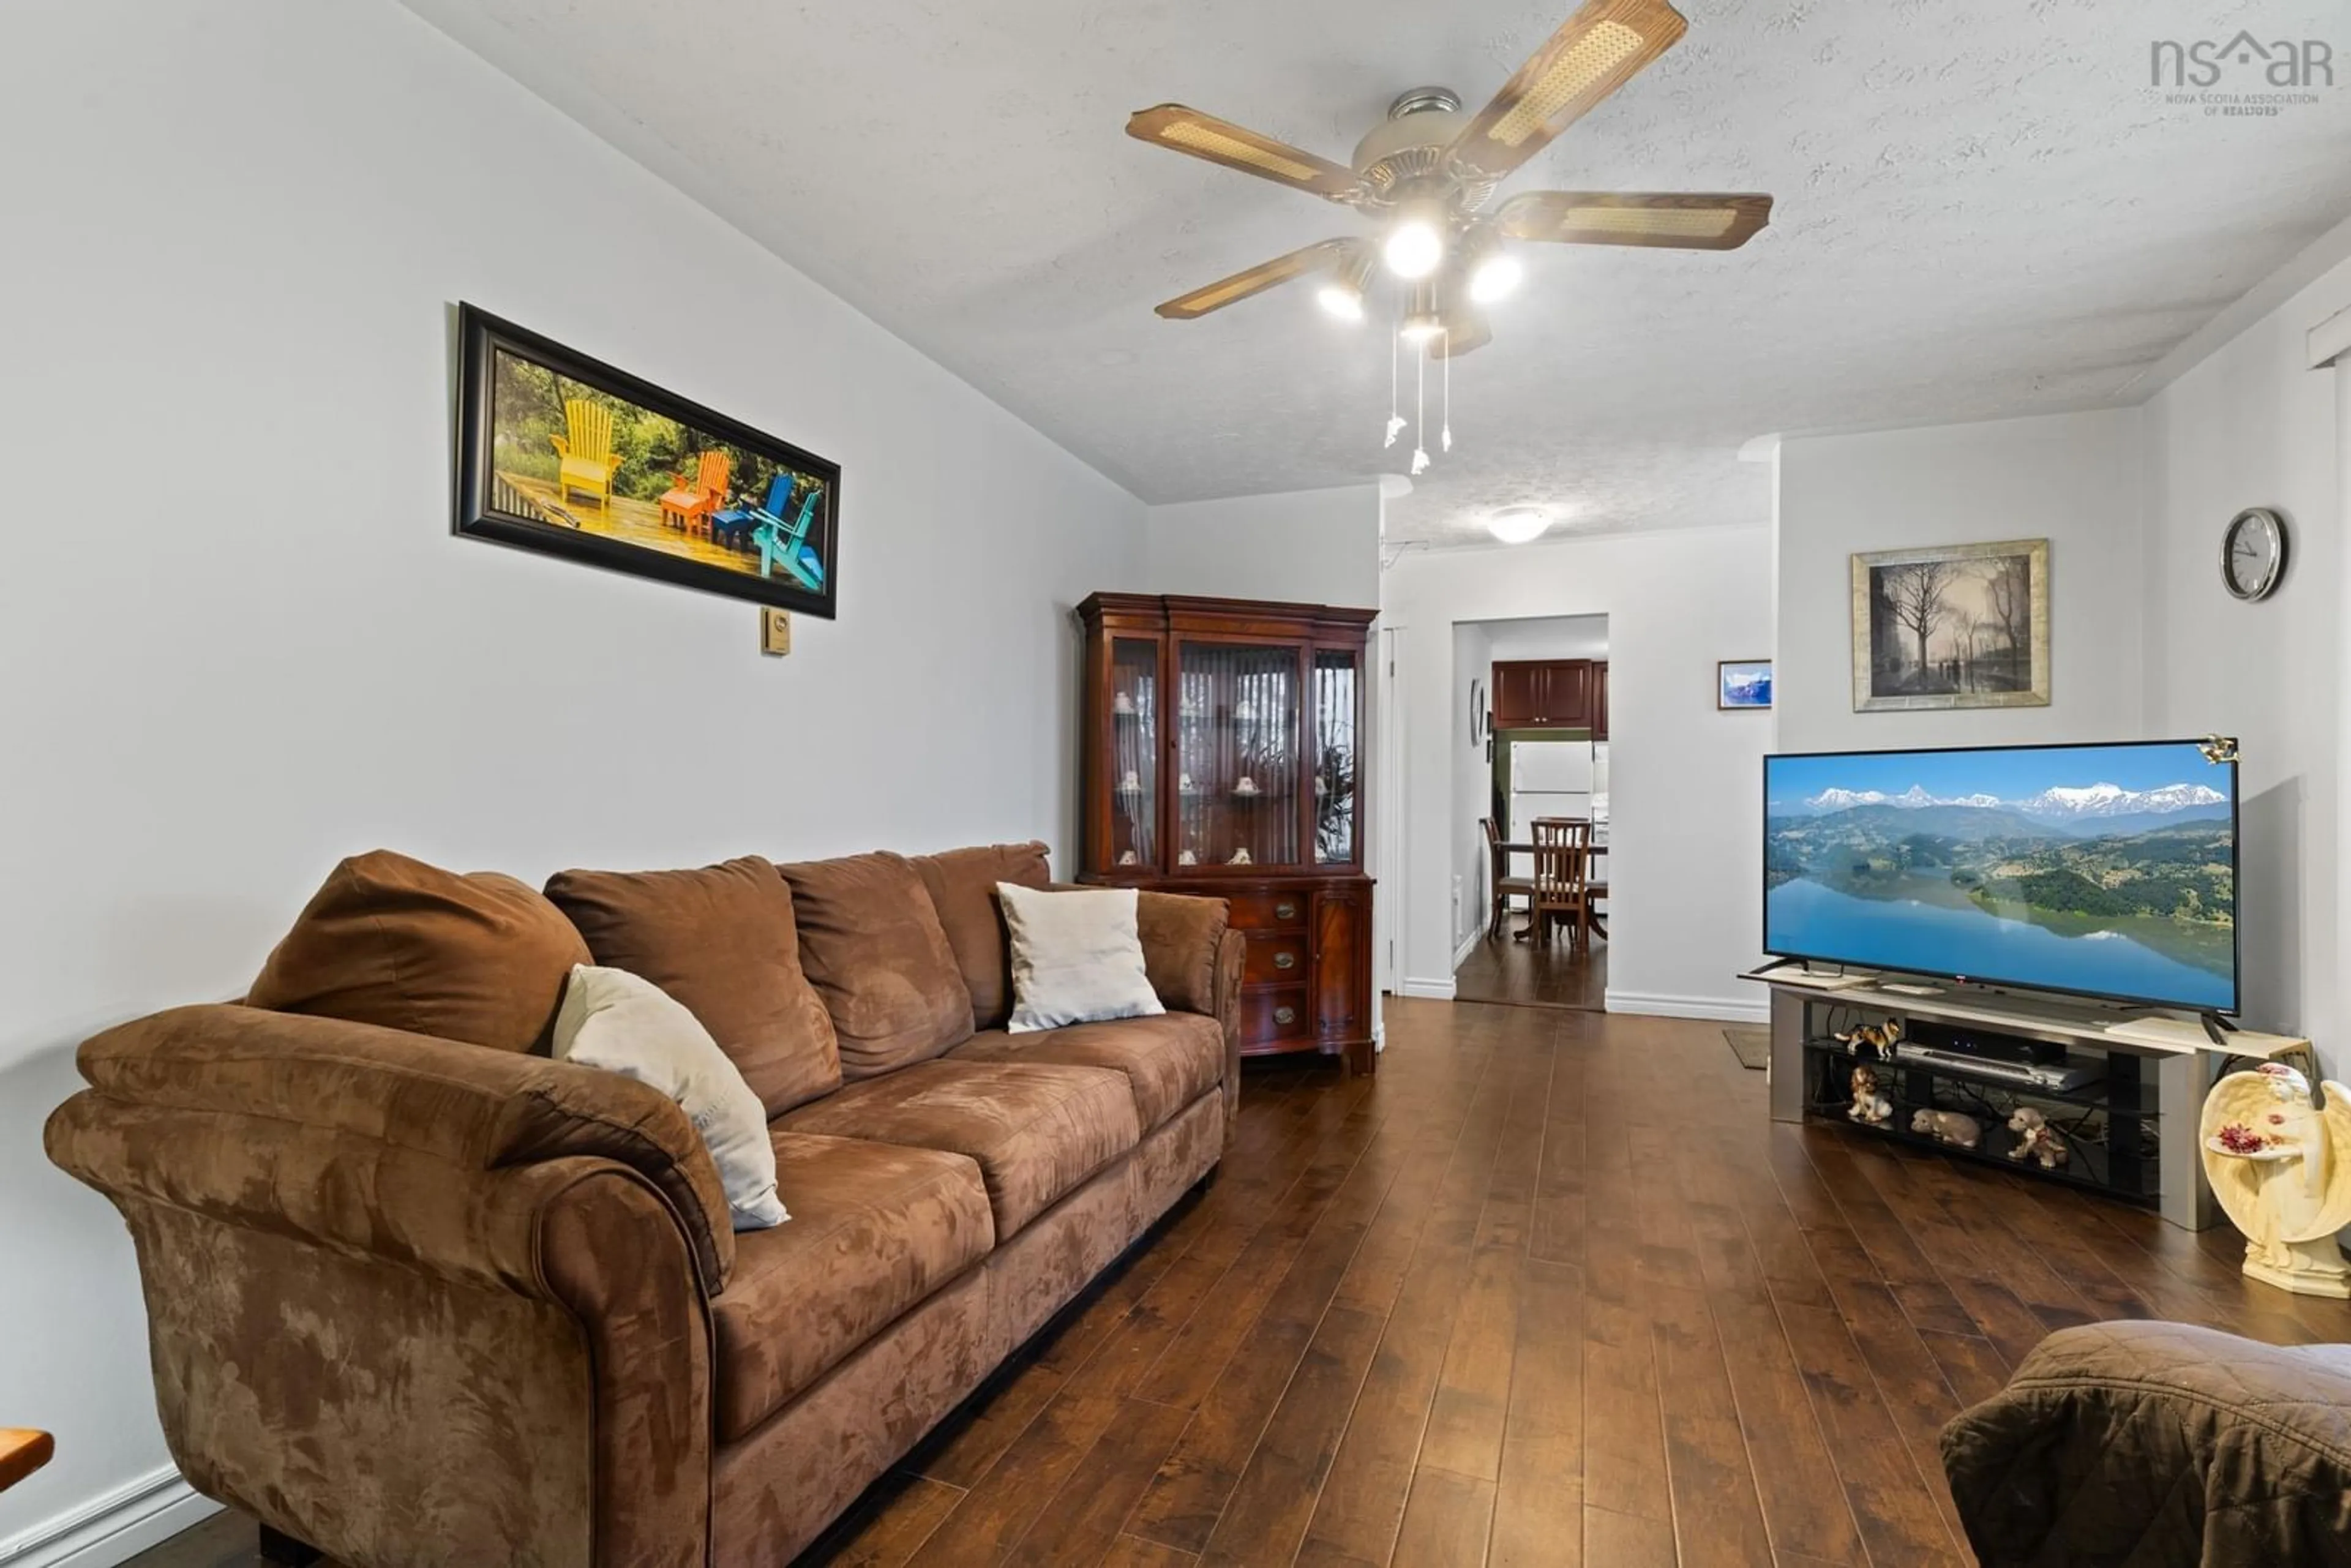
x,y
1187,131
1598,50
1265,275
1693,222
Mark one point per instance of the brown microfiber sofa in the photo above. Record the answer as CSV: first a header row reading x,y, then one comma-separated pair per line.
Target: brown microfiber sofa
x,y
417,1293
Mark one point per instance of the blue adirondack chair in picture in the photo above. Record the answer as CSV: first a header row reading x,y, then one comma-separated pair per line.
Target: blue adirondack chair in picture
x,y
784,544
732,526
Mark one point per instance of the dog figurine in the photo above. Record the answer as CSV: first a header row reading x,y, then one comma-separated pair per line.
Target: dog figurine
x,y
1869,1107
1876,1039
1949,1127
2036,1139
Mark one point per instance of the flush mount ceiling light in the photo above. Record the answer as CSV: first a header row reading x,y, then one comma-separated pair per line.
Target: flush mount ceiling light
x,y
1426,176
1517,525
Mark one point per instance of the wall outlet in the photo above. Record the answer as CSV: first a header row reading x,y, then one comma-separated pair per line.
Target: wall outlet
x,y
1458,931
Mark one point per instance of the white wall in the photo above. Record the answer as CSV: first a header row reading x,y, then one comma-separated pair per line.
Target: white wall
x,y
1551,637
2073,480
1685,782
1308,546
241,642
2145,642
2252,424
1471,785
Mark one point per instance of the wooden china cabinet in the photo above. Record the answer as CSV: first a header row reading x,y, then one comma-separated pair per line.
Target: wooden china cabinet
x,y
1223,755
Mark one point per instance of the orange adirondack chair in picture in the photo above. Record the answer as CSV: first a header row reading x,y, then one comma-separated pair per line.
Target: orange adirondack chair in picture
x,y
589,461
690,504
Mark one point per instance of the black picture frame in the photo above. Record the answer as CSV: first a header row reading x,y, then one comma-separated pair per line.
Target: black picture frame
x,y
490,505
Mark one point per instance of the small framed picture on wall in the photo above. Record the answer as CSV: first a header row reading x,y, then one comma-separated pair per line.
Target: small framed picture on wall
x,y
1742,684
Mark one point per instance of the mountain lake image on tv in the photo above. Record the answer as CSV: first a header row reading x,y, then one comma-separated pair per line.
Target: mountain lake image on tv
x,y
2105,870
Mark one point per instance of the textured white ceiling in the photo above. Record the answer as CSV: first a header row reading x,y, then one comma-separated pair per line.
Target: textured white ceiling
x,y
1984,209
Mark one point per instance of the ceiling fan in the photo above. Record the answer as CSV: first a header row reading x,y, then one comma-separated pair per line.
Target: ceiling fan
x,y
1429,172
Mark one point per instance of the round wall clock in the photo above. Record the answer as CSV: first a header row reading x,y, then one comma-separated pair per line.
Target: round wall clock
x,y
2252,554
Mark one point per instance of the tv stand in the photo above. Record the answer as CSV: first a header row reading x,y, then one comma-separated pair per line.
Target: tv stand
x,y
2158,1066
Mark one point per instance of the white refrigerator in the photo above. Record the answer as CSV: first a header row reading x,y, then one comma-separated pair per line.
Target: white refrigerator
x,y
1549,779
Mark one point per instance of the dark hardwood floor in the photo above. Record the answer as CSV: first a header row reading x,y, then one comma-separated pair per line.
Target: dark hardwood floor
x,y
1534,974
1548,1290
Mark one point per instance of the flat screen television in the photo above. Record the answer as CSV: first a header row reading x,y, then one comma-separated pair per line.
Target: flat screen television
x,y
2103,871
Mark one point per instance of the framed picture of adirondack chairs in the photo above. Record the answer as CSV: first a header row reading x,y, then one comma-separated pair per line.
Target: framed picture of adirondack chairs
x,y
565,454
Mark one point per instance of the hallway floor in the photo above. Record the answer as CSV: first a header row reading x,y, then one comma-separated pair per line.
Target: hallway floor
x,y
1534,974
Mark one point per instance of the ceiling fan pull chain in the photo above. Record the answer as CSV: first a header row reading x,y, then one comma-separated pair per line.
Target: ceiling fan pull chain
x,y
1419,412
1395,420
1445,436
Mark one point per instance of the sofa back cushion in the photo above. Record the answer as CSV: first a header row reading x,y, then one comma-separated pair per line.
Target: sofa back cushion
x,y
722,941
874,949
394,942
962,886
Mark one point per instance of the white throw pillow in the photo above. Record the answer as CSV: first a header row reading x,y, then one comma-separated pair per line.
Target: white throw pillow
x,y
624,1023
1076,957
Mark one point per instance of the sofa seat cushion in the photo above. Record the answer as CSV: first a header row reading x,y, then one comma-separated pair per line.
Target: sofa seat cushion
x,y
1170,1061
875,1229
1036,1130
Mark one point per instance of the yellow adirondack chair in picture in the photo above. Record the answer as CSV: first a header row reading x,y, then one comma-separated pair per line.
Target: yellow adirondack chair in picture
x,y
589,461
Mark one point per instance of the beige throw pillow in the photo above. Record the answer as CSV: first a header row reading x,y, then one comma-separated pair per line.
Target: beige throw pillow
x,y
624,1023
1076,957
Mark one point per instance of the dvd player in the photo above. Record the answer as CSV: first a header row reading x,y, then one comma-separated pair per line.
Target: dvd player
x,y
2037,1074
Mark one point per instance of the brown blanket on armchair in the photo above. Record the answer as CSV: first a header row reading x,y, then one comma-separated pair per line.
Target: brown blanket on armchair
x,y
2147,1444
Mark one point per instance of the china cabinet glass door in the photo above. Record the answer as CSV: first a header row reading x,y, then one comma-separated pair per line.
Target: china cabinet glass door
x,y
1236,773
1332,758
1134,741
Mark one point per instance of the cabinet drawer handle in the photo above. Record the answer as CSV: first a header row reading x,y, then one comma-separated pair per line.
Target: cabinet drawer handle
x,y
1285,1016
1285,911
1285,961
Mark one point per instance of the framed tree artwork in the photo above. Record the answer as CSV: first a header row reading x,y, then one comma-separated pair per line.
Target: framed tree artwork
x,y
1956,626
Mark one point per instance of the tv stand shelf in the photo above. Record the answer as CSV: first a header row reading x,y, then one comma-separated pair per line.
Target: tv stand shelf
x,y
2109,1126
2155,1066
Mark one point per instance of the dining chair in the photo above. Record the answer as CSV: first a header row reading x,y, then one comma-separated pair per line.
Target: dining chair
x,y
1506,886
1562,877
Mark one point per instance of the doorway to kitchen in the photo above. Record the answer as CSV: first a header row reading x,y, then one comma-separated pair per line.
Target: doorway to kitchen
x,y
1532,793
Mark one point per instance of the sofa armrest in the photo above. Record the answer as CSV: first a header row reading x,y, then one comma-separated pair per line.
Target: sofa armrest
x,y
2146,1441
430,1123
1232,948
473,1278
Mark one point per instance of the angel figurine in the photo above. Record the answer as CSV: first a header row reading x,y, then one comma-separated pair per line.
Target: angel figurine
x,y
2269,1151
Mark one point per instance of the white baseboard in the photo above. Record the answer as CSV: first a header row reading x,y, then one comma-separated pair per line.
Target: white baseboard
x,y
1469,945
112,1526
1434,990
1722,1009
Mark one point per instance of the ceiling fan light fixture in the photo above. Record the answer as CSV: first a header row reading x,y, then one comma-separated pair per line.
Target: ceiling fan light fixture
x,y
1517,525
1416,242
1342,297
1495,275
1338,299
